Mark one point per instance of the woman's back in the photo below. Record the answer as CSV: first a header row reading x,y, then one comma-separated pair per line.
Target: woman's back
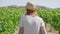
x,y
31,24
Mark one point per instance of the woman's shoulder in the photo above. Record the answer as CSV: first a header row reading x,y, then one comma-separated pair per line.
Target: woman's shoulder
x,y
37,17
26,17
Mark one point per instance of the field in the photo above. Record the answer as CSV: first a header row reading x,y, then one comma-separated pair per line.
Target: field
x,y
9,18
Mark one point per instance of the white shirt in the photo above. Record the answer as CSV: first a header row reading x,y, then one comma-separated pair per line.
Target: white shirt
x,y
31,24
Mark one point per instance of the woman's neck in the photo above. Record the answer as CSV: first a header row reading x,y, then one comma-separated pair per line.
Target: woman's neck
x,y
32,15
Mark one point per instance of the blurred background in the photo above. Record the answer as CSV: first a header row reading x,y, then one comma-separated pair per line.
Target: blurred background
x,y
12,10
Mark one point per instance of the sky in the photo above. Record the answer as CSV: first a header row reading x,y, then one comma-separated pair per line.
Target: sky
x,y
47,3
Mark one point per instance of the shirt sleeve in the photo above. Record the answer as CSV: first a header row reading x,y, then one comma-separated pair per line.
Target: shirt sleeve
x,y
42,24
21,22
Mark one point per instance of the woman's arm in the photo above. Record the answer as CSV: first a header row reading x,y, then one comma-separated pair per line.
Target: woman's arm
x,y
43,30
21,30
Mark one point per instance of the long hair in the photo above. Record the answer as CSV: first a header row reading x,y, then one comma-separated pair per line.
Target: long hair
x,y
28,11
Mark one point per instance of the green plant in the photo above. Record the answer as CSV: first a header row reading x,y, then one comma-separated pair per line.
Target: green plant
x,y
9,19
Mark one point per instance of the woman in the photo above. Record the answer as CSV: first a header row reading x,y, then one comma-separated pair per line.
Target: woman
x,y
31,23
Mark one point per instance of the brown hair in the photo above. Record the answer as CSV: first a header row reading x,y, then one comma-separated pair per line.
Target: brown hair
x,y
28,12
